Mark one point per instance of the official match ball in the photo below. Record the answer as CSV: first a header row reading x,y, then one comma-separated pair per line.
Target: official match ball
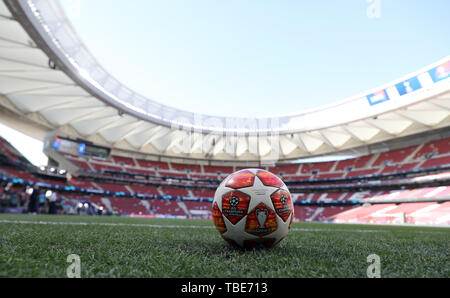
x,y
253,208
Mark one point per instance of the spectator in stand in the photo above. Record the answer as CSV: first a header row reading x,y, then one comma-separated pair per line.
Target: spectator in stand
x,y
6,195
13,200
8,187
22,199
42,204
52,203
33,203
3,200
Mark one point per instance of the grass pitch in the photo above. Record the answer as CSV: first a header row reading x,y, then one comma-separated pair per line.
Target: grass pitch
x,y
38,246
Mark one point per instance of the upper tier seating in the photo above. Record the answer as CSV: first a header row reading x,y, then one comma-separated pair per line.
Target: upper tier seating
x,y
320,167
186,167
394,156
431,154
285,169
399,167
112,187
436,161
149,164
218,169
144,189
436,147
124,160
354,163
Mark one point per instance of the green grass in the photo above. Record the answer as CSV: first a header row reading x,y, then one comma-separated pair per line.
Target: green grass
x,y
155,248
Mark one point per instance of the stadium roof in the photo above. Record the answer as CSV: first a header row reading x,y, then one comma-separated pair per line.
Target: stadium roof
x,y
48,77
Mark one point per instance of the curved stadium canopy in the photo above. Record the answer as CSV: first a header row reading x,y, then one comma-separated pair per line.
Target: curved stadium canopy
x,y
49,77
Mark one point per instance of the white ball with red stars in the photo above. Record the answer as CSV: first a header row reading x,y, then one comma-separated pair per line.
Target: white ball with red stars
x,y
253,208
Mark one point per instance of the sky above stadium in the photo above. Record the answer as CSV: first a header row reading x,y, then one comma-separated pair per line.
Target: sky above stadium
x,y
260,57
28,146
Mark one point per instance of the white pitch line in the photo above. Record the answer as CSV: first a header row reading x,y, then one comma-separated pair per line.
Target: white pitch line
x,y
100,224
337,230
185,226
163,226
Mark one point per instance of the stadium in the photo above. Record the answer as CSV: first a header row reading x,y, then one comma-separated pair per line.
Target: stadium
x,y
130,181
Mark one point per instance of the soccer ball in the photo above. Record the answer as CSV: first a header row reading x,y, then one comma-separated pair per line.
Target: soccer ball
x,y
253,208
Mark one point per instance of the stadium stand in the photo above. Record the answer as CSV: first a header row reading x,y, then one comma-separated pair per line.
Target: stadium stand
x,y
140,170
414,157
413,213
120,195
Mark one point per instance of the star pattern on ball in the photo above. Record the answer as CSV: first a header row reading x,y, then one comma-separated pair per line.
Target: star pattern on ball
x,y
253,208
